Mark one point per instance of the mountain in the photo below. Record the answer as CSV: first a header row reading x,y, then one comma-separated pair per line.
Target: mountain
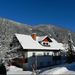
x,y
8,28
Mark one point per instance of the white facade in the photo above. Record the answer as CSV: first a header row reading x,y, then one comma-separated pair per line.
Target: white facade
x,y
39,53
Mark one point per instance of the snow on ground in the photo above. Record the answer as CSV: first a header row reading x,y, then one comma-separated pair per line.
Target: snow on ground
x,y
13,70
19,73
68,69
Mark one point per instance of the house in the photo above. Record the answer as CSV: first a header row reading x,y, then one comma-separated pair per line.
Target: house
x,y
34,50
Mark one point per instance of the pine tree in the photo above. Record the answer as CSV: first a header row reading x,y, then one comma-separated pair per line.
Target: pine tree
x,y
70,52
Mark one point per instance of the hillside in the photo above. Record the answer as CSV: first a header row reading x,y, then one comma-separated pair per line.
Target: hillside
x,y
8,28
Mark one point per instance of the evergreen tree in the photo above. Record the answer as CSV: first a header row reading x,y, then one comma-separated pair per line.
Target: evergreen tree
x,y
70,52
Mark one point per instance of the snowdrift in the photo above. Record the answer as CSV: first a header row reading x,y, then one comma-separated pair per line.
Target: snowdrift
x,y
68,69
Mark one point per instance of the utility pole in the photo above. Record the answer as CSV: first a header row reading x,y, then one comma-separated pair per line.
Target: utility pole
x,y
36,62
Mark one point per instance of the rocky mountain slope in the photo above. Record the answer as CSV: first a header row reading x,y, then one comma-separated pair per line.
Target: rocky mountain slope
x,y
8,28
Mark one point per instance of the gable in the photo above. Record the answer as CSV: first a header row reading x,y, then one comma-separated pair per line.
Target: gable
x,y
47,39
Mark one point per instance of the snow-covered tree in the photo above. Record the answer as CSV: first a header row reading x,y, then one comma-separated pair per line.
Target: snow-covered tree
x,y
70,52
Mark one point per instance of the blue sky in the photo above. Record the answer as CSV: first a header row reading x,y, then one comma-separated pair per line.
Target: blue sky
x,y
33,12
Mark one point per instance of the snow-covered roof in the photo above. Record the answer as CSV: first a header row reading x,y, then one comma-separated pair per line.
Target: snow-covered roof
x,y
27,42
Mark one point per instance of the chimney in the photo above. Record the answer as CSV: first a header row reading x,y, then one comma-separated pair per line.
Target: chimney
x,y
34,36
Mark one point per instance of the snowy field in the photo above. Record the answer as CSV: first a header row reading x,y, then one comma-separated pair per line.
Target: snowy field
x,y
67,69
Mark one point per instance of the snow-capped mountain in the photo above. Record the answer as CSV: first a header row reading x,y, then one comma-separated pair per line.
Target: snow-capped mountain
x,y
9,27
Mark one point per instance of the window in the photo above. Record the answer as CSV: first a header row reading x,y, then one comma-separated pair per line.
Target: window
x,y
47,53
33,54
44,43
44,54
